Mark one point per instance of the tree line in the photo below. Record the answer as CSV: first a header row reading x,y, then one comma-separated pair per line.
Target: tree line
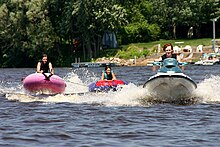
x,y
65,29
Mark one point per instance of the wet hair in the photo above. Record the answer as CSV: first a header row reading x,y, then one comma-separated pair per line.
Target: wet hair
x,y
166,45
107,67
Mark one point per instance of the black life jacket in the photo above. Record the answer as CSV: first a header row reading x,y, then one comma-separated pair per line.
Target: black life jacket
x,y
165,56
44,67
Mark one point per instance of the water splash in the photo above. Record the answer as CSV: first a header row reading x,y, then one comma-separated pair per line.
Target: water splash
x,y
77,81
130,95
208,90
74,84
6,87
86,76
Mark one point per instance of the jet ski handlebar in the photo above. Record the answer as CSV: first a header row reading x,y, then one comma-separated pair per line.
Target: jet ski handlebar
x,y
160,63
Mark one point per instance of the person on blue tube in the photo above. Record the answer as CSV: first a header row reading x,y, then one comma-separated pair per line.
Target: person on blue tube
x,y
108,74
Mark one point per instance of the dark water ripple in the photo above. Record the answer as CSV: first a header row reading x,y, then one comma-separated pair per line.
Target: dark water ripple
x,y
64,124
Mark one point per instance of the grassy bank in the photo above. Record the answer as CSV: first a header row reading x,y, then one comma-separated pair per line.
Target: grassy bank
x,y
191,42
146,49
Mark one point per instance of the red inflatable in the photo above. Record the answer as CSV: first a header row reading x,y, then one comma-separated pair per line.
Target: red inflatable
x,y
106,85
109,82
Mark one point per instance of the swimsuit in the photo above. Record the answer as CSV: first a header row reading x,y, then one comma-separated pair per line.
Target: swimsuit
x,y
44,67
165,56
108,77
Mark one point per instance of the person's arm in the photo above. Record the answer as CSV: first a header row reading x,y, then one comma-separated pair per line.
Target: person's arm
x,y
157,60
38,67
102,78
51,68
113,76
178,58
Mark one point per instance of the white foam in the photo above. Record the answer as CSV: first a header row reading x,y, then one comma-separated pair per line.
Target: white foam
x,y
208,90
130,95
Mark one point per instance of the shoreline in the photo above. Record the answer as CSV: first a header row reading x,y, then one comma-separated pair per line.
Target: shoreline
x,y
190,57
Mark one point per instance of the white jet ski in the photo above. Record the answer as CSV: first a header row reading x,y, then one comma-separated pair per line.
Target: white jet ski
x,y
170,84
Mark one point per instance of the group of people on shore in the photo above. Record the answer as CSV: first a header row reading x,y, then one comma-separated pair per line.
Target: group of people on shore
x,y
44,66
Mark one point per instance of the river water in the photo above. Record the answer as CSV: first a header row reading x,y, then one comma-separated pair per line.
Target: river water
x,y
108,119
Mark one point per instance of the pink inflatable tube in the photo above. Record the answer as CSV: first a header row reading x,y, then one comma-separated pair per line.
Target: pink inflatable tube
x,y
38,82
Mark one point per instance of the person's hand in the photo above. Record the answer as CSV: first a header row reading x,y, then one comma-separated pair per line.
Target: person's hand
x,y
50,75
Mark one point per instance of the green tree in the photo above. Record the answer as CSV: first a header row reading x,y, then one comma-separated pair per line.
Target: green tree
x,y
93,18
13,33
26,32
139,29
170,15
203,11
40,31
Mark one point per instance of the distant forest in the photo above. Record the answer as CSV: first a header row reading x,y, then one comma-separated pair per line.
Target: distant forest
x,y
65,29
